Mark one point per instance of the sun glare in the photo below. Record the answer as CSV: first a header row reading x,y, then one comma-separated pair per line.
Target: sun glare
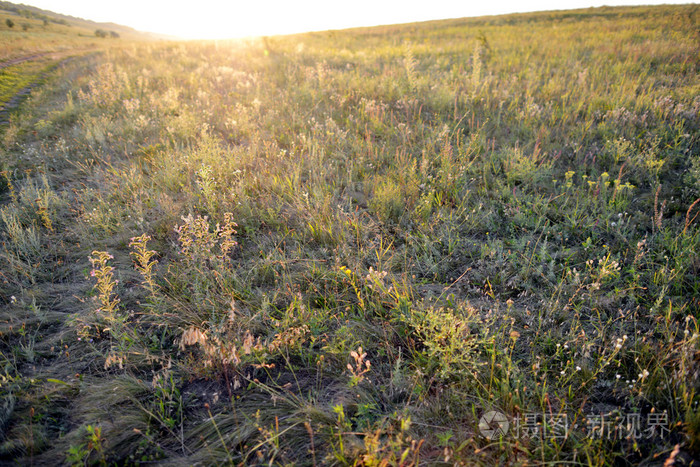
x,y
211,19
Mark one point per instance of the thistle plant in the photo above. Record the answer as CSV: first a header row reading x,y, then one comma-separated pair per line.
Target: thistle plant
x,y
207,186
10,186
225,233
104,275
198,241
142,262
43,212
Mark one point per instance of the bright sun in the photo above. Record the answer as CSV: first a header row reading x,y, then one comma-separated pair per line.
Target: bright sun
x,y
212,19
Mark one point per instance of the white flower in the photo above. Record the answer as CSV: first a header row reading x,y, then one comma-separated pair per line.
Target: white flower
x,y
578,368
13,300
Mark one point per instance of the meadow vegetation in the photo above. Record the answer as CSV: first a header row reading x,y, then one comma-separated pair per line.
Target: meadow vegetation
x,y
33,43
29,36
343,248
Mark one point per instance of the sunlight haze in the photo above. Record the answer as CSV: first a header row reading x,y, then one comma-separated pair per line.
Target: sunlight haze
x,y
209,19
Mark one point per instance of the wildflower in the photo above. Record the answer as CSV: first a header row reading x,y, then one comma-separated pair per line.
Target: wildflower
x,y
362,366
578,368
13,300
376,277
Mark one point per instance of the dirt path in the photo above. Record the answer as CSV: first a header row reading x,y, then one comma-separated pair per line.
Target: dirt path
x,y
19,95
18,60
54,55
14,102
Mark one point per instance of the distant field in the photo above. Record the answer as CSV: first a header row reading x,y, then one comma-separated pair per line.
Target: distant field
x,y
464,242
33,43
29,35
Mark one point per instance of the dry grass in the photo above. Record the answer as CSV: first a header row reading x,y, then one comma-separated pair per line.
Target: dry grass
x,y
346,247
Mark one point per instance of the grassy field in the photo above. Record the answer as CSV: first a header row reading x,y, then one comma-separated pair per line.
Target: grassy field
x,y
33,42
348,247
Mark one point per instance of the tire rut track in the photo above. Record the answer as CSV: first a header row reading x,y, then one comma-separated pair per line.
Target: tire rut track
x,y
18,60
17,98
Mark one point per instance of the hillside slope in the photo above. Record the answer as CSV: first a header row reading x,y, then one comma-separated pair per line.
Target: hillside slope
x,y
32,12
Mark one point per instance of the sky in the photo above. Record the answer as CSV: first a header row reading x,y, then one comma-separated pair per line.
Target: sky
x,y
220,19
